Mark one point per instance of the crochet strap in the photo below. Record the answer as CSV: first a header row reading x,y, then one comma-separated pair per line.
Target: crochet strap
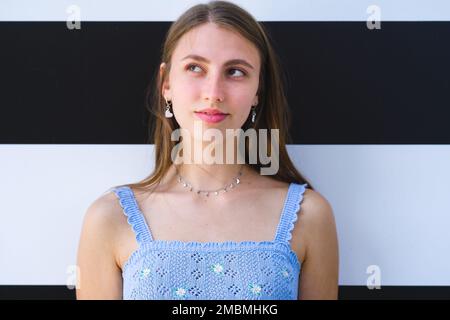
x,y
289,214
134,215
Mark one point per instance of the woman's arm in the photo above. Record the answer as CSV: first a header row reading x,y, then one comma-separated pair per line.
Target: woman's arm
x,y
99,275
320,268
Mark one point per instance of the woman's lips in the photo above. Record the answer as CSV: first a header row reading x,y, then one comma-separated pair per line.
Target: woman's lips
x,y
211,118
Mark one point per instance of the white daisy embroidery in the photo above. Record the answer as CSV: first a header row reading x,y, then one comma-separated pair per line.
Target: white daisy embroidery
x,y
217,268
255,289
285,273
180,292
145,272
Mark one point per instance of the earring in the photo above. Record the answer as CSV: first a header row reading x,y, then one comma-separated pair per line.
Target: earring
x,y
168,114
253,114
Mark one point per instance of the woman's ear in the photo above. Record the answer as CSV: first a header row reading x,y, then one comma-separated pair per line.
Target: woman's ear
x,y
162,68
165,83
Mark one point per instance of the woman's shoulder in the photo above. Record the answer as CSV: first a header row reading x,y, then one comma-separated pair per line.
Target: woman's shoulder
x,y
316,220
104,213
97,250
315,206
106,205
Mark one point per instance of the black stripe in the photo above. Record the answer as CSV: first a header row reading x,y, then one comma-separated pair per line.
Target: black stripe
x,y
347,84
394,292
16,292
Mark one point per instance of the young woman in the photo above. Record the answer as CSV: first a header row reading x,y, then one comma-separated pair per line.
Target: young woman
x,y
202,230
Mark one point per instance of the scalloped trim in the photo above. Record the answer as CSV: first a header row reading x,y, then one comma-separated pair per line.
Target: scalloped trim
x,y
143,235
133,214
297,200
289,213
183,246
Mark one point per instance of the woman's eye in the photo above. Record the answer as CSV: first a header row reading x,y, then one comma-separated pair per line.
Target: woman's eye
x,y
232,71
191,66
242,72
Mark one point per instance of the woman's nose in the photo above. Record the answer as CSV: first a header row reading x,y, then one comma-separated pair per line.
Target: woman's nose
x,y
213,91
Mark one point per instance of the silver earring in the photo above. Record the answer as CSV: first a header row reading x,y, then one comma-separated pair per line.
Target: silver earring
x,y
168,114
253,114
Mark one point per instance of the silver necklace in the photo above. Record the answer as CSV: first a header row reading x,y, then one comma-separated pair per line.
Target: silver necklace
x,y
229,186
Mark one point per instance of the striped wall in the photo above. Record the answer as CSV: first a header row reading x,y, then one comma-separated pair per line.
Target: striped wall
x,y
370,114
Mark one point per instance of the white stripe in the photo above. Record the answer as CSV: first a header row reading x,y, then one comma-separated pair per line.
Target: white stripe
x,y
263,10
390,203
391,207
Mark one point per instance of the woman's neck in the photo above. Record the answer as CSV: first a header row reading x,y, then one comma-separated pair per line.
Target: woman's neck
x,y
210,176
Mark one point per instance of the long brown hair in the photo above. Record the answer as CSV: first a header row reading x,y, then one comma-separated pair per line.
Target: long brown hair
x,y
272,111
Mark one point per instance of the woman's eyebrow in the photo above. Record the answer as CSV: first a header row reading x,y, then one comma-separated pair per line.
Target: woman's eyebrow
x,y
229,62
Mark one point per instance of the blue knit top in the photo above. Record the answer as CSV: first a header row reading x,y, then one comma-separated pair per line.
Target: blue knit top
x,y
170,269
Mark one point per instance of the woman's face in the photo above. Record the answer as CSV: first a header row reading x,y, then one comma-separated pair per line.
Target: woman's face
x,y
216,68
